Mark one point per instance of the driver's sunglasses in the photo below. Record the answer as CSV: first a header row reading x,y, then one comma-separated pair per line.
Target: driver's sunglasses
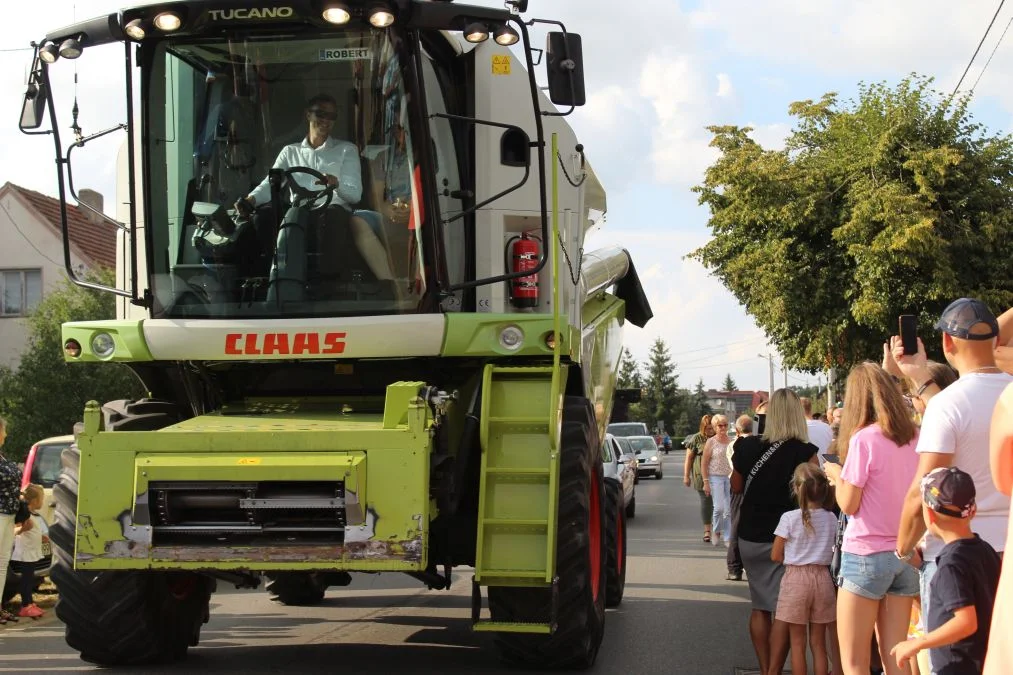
x,y
324,114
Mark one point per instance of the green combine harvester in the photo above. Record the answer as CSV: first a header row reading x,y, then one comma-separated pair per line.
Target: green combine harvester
x,y
352,281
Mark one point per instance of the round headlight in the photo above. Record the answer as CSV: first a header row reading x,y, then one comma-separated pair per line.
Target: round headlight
x,y
72,348
511,338
168,22
505,36
337,14
476,32
135,30
103,345
381,18
49,52
70,48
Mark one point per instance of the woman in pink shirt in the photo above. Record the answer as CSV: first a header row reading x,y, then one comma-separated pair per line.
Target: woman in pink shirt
x,y
876,587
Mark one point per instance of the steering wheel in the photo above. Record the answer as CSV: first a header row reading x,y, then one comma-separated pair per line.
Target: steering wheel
x,y
304,195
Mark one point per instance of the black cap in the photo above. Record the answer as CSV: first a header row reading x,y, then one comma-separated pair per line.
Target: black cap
x,y
949,491
962,315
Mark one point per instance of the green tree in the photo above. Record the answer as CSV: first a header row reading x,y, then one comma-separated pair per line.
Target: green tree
x,y
729,383
661,397
45,396
629,372
896,202
698,404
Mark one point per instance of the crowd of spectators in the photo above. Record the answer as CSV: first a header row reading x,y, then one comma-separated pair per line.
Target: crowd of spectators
x,y
896,508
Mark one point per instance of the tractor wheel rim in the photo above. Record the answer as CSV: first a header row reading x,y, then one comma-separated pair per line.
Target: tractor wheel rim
x,y
594,540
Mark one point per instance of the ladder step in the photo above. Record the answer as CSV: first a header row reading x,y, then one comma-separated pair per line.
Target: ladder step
x,y
522,471
540,421
515,522
486,626
534,575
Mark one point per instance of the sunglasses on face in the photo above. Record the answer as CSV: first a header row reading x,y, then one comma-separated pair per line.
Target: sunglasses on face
x,y
324,114
721,425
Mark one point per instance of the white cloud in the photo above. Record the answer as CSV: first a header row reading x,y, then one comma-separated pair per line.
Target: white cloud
x,y
725,89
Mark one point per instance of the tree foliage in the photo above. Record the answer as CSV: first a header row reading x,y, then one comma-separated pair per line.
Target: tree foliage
x,y
698,405
45,396
661,390
729,383
893,203
629,372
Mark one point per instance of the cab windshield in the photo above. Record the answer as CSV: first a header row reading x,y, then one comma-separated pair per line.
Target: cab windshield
x,y
282,178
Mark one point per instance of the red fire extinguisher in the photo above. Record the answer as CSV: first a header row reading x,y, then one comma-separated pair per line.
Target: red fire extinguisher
x,y
523,251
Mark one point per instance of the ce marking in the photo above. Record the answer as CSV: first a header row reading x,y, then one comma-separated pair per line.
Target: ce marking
x,y
484,303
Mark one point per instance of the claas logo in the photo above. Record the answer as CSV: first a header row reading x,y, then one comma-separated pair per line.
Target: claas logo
x,y
284,344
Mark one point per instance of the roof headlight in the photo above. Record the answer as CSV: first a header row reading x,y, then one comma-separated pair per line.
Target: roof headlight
x,y
70,48
505,36
381,15
168,22
337,13
135,30
476,32
49,52
103,345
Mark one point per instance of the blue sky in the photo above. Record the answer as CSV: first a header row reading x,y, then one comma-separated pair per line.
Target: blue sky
x,y
656,76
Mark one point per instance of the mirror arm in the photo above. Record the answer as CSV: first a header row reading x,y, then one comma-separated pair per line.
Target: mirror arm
x,y
70,175
522,181
543,197
566,60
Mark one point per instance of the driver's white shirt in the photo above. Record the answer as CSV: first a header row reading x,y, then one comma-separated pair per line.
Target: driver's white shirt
x,y
334,157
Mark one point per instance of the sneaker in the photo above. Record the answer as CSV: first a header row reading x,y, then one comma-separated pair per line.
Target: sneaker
x,y
734,576
31,611
8,616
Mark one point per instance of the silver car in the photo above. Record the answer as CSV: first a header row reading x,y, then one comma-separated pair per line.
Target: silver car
x,y
648,456
621,467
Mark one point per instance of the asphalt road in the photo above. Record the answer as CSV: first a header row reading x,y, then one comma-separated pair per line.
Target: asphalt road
x,y
679,615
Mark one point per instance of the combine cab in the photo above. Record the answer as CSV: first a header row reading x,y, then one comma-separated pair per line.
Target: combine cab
x,y
353,282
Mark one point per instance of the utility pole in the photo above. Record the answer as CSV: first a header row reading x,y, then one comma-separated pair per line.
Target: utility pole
x,y
785,369
770,360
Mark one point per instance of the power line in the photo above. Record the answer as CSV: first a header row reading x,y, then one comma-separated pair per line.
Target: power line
x,y
25,236
726,344
994,49
975,54
16,49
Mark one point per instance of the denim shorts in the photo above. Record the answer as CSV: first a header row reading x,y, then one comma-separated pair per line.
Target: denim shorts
x,y
876,575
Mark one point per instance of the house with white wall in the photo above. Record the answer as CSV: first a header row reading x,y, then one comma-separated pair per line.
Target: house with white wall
x,y
31,255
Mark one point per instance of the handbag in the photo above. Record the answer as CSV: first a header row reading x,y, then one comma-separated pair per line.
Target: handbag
x,y
835,560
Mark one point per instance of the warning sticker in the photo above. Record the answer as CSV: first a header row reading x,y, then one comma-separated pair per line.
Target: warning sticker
x,y
500,64
348,54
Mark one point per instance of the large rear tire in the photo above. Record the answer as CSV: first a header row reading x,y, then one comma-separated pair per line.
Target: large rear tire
x,y
122,618
580,561
615,544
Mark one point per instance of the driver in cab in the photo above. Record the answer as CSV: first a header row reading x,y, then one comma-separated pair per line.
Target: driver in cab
x,y
338,161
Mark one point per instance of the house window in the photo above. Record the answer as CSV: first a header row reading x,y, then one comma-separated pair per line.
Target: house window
x,y
21,291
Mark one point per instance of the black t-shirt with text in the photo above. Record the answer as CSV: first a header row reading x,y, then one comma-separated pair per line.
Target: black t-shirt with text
x,y
967,575
769,495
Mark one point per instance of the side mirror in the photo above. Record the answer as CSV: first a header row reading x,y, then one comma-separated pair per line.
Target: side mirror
x,y
565,65
34,108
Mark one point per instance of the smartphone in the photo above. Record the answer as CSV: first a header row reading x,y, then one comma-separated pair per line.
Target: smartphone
x,y
908,329
833,459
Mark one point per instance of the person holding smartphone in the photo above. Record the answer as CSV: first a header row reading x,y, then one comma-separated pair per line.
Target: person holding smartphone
x,y
955,429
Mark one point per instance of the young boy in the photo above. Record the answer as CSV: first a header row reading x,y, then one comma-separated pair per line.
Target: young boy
x,y
963,588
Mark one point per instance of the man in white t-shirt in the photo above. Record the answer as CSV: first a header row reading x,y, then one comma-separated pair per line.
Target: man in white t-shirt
x,y
955,429
820,433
